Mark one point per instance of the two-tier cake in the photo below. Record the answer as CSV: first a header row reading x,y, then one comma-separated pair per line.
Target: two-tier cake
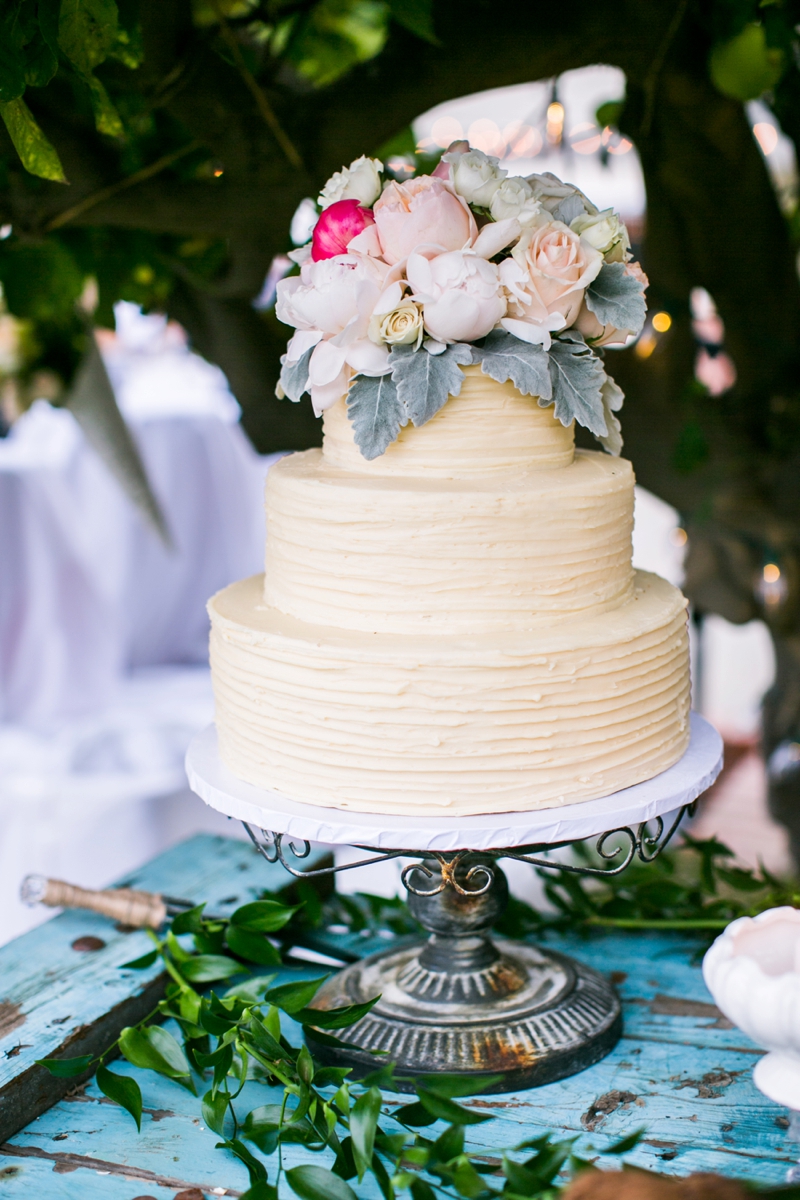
x,y
449,621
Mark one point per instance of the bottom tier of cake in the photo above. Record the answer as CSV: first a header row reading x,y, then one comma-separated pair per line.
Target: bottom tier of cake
x,y
502,723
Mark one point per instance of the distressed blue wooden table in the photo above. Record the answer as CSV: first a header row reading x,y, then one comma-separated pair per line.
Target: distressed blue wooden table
x,y
680,1070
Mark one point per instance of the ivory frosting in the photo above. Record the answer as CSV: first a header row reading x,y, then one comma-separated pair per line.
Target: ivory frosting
x,y
455,625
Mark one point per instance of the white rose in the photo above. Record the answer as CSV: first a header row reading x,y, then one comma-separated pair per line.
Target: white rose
x,y
329,294
460,293
475,176
400,327
514,198
360,181
603,230
551,191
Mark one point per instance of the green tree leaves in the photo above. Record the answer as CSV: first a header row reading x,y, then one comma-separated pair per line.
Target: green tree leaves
x,y
310,1182
36,153
746,66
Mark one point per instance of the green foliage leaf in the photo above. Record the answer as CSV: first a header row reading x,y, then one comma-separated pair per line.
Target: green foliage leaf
x,y
261,1126
260,1191
627,1143
253,947
447,1110
504,357
203,968
745,66
41,280
190,921
292,997
335,1018
316,1183
87,30
609,113
331,37
414,1114
155,1049
376,413
66,1068
41,63
12,65
123,1091
452,1086
577,376
36,153
294,376
363,1124
421,1190
139,964
263,916
106,117
255,1168
416,16
426,381
215,1108
617,299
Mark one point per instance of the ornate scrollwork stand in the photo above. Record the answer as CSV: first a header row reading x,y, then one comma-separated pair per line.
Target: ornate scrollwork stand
x,y
461,1000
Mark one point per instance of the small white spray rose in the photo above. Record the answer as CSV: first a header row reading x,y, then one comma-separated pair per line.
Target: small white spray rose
x,y
475,176
603,230
400,327
360,181
514,198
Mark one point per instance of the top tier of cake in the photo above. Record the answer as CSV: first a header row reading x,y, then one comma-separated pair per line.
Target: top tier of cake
x,y
484,521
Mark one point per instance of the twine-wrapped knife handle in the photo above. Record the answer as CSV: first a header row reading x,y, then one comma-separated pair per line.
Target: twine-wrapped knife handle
x,y
125,905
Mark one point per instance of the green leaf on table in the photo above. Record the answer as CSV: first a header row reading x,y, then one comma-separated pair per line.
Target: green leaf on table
x,y
203,968
425,382
155,1049
294,376
253,947
250,991
255,1168
190,921
447,1110
262,1126
263,916
627,1143
421,1190
37,154
376,413
577,376
260,1191
617,299
139,964
452,1086
215,1108
123,1091
305,1066
292,997
505,358
66,1068
335,1018
414,1115
310,1182
364,1117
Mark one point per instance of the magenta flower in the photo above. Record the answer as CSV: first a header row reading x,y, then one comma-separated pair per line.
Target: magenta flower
x,y
338,224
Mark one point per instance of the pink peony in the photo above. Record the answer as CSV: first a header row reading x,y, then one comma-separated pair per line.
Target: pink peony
x,y
338,224
460,294
422,212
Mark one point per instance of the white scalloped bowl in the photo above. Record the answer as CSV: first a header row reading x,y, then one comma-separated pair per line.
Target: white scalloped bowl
x,y
753,972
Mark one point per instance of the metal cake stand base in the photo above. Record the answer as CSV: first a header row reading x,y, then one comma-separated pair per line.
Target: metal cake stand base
x,y
459,1000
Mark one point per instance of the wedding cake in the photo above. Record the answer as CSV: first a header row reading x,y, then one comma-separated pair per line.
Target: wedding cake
x,y
449,620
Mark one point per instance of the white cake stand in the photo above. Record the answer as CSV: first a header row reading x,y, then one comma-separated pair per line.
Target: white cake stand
x,y
461,1001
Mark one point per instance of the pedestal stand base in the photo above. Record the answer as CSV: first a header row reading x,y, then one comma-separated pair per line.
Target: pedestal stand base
x,y
482,1006
563,1018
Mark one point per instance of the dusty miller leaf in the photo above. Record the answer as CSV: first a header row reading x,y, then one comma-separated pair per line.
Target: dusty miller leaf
x,y
294,376
36,153
505,357
613,397
426,381
617,299
569,208
376,413
577,376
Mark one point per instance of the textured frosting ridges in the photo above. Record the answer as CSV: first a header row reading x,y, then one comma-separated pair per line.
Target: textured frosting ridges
x,y
500,723
488,427
507,551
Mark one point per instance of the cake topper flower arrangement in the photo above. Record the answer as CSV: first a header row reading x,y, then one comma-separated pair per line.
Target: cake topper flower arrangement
x,y
402,284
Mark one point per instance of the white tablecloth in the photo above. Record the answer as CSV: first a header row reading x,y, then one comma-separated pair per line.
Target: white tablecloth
x,y
87,589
